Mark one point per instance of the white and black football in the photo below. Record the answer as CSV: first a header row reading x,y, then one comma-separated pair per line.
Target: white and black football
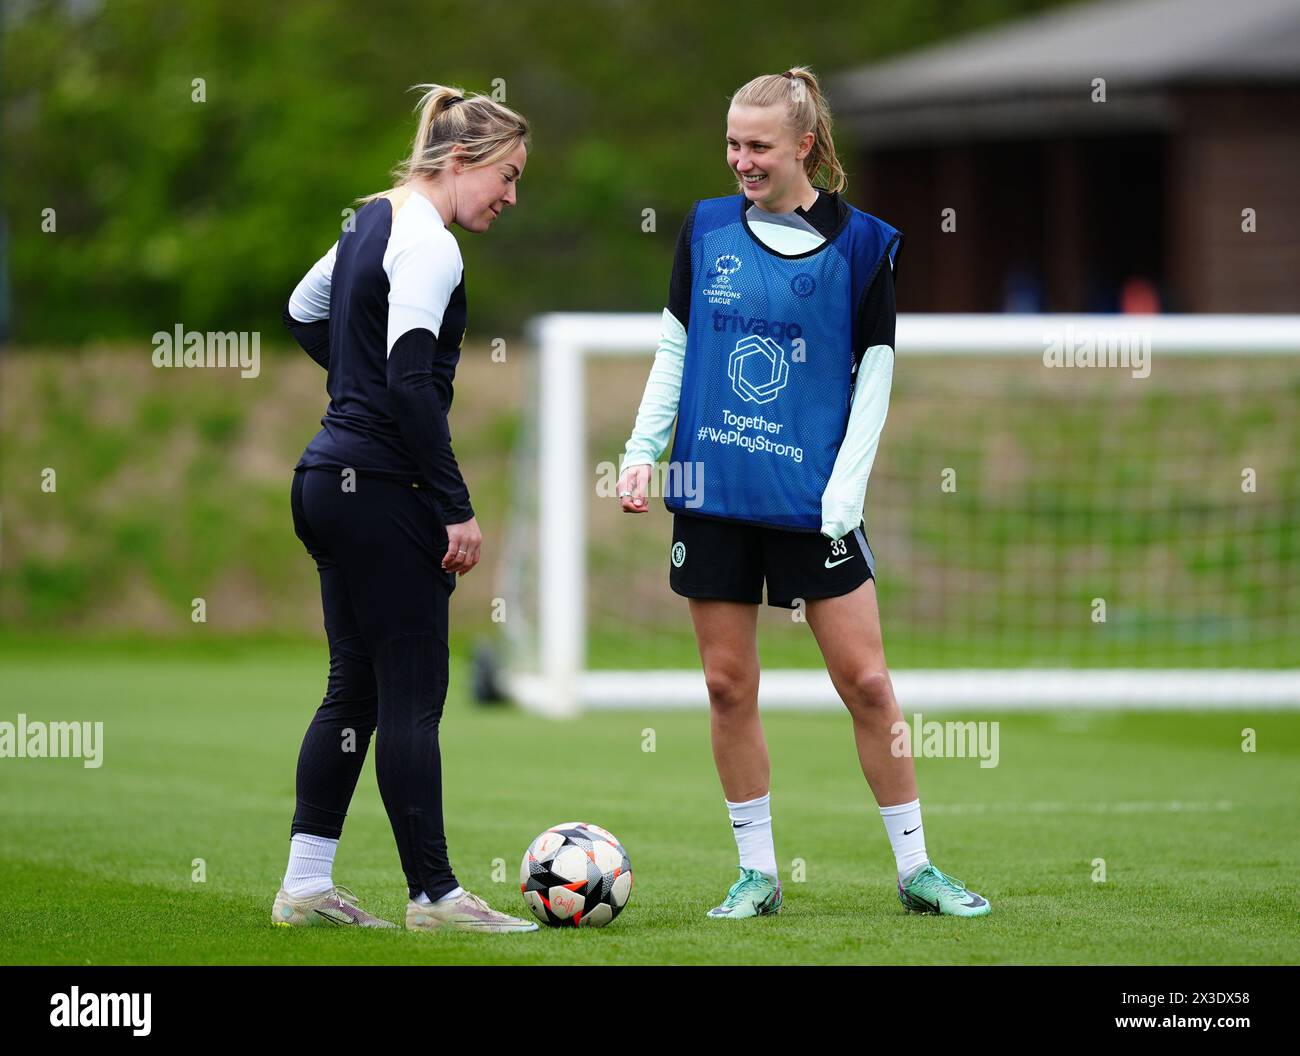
x,y
575,875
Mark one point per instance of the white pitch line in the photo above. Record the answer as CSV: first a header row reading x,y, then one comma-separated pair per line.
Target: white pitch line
x,y
1056,807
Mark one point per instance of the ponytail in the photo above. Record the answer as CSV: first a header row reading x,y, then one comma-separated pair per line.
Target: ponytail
x,y
483,129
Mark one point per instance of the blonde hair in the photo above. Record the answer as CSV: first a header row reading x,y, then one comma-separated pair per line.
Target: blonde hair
x,y
485,130
806,111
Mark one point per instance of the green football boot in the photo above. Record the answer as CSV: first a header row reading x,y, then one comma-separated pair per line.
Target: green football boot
x,y
754,895
930,891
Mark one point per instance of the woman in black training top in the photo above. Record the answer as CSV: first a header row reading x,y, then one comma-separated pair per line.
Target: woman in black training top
x,y
379,503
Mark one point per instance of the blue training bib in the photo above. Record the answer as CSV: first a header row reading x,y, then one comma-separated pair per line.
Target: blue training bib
x,y
768,376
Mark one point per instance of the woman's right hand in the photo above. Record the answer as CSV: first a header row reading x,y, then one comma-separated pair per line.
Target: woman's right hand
x,y
632,487
464,541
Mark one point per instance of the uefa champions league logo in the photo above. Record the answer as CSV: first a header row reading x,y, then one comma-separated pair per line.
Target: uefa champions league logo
x,y
758,369
723,268
719,289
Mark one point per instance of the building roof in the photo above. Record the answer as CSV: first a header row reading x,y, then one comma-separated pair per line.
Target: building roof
x,y
1038,72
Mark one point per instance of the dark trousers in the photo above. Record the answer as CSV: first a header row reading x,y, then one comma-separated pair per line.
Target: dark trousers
x,y
378,550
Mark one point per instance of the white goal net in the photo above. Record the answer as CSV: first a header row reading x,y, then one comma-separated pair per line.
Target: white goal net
x,y
1064,510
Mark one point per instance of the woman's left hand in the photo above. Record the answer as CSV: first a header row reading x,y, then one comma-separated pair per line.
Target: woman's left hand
x,y
464,541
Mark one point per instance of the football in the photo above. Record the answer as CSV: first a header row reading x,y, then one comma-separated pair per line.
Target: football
x,y
575,875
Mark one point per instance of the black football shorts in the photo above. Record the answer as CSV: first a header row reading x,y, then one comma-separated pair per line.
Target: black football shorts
x,y
729,560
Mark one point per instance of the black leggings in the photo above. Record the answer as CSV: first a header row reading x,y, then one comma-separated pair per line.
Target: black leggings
x,y
379,551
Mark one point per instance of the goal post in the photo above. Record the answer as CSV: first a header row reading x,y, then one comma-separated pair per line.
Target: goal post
x,y
1237,581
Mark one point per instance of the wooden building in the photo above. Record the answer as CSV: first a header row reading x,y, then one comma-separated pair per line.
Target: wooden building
x,y
1100,157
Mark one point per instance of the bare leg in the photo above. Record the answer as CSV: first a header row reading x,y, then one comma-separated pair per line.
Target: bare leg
x,y
727,635
847,629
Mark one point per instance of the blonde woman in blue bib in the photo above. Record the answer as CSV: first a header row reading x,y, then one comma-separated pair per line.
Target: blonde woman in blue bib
x,y
775,361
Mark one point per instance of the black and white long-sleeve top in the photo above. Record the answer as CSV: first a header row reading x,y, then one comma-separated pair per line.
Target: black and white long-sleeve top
x,y
384,312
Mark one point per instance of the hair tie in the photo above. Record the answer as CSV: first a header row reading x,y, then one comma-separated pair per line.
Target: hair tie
x,y
453,101
788,75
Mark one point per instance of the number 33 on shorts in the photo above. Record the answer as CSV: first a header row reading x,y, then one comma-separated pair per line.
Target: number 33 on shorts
x,y
839,553
836,566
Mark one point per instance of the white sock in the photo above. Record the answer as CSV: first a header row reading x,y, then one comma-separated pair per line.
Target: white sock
x,y
311,865
425,900
906,836
751,824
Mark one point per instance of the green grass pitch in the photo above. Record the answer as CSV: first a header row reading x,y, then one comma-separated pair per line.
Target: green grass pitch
x,y
1199,838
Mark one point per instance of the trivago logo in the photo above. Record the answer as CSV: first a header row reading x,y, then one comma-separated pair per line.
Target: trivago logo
x,y
758,369
735,323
